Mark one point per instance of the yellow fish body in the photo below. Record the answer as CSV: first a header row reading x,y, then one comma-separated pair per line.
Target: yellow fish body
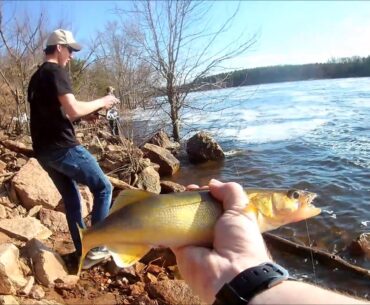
x,y
140,220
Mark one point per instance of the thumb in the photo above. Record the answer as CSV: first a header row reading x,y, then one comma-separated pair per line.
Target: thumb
x,y
231,195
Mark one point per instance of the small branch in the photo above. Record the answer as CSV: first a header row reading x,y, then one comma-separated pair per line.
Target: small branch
x,y
120,184
331,260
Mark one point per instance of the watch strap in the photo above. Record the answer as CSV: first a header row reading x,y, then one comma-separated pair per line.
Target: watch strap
x,y
249,283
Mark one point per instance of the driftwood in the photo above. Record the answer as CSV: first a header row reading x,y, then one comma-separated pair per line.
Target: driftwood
x,y
18,147
120,184
331,260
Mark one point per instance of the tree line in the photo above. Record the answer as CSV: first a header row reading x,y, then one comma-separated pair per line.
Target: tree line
x,y
148,51
335,68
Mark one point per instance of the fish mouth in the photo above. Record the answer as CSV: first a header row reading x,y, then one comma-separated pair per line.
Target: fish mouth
x,y
310,198
309,209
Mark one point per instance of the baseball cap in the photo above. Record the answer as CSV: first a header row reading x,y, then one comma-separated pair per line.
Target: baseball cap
x,y
63,37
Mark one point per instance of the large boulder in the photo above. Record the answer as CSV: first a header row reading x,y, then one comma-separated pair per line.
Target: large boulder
x,y
168,164
161,139
171,187
148,179
33,191
24,228
48,265
54,220
3,213
8,300
361,246
202,147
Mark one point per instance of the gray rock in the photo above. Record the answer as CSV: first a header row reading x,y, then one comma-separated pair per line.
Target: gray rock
x,y
168,164
148,179
34,211
28,287
37,292
171,187
31,191
2,212
54,220
8,300
202,147
161,139
11,276
48,265
24,228
5,201
361,246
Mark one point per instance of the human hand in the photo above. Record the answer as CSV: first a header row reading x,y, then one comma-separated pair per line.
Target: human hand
x,y
109,101
237,245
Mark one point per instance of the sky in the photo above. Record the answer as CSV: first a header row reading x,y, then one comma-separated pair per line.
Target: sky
x,y
289,32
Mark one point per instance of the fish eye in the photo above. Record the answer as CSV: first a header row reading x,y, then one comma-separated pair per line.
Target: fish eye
x,y
293,194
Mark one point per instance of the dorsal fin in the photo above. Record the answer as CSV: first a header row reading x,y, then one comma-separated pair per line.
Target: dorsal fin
x,y
127,197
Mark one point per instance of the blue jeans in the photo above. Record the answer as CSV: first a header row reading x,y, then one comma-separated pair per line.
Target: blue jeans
x,y
69,166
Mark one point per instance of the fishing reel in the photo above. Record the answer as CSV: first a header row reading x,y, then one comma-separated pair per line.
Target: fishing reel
x,y
112,113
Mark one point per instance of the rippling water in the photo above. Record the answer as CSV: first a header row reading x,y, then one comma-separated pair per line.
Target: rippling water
x,y
312,135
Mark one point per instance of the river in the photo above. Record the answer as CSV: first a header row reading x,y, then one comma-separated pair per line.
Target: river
x,y
310,135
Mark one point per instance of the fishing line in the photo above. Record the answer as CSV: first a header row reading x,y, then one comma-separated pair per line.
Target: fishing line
x,y
311,252
232,161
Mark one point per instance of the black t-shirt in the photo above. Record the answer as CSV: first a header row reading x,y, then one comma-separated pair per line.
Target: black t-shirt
x,y
50,128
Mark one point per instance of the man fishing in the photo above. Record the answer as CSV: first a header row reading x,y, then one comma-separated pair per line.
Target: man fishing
x,y
53,108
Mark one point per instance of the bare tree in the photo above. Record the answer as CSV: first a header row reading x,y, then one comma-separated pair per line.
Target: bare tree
x,y
181,48
124,65
21,53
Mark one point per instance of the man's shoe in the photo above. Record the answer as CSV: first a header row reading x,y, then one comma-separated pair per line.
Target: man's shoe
x,y
97,253
88,262
95,256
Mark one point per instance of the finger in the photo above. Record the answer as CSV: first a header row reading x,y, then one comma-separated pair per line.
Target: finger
x,y
191,254
231,194
192,187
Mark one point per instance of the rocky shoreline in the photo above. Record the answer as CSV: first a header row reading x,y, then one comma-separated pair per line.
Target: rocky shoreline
x,y
34,235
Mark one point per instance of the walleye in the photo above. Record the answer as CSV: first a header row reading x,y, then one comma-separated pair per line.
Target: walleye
x,y
140,220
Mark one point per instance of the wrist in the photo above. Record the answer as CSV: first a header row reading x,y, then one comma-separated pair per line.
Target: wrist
x,y
269,296
102,102
233,269
247,285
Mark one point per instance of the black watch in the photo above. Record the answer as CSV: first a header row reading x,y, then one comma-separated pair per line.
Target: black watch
x,y
249,283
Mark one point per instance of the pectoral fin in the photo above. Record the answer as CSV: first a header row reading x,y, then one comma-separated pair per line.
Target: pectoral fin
x,y
251,208
127,255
